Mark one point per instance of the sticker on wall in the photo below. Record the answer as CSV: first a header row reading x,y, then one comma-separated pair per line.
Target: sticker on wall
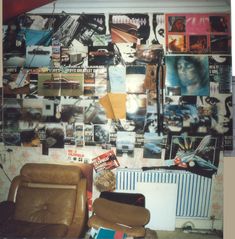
x,y
126,28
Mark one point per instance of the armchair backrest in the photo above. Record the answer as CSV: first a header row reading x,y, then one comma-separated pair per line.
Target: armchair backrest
x,y
50,194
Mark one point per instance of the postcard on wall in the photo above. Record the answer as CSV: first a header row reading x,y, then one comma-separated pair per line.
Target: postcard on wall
x,y
152,145
117,79
106,161
135,79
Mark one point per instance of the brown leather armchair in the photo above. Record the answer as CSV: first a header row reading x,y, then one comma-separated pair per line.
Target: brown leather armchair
x,y
49,201
123,217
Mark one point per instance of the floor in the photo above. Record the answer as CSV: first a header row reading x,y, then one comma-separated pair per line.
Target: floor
x,y
180,234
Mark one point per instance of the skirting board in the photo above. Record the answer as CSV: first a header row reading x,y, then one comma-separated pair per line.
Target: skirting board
x,y
200,223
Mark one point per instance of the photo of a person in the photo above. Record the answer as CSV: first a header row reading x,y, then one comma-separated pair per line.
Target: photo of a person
x,y
177,24
190,73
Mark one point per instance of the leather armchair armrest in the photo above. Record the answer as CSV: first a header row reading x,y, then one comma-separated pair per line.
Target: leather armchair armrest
x,y
7,209
81,212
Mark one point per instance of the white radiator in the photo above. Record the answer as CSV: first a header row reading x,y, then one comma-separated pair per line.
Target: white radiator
x,y
194,191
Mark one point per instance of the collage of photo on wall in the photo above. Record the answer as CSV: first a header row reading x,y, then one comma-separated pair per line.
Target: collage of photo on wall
x,y
126,82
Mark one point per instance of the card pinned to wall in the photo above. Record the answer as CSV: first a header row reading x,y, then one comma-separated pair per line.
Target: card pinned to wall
x,y
115,105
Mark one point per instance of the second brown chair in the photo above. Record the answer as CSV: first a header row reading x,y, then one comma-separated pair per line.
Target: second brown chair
x,y
122,217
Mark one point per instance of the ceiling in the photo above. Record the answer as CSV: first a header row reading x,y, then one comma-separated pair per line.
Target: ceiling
x,y
136,6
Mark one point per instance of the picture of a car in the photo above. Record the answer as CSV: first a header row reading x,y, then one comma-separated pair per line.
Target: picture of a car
x,y
62,83
100,52
153,148
38,51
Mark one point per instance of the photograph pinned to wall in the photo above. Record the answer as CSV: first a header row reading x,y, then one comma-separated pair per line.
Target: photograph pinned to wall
x,y
12,112
38,56
14,46
103,55
198,44
79,134
150,125
117,78
69,138
29,137
105,161
89,134
125,143
197,154
32,110
101,133
220,44
72,112
61,32
187,75
135,78
101,81
136,110
176,43
83,28
176,23
134,28
220,72
152,54
94,114
127,52
11,138
89,83
16,83
202,33
185,118
153,144
55,136
218,108
73,56
159,28
59,84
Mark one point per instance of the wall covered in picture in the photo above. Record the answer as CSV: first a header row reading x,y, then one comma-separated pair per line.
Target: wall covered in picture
x,y
138,91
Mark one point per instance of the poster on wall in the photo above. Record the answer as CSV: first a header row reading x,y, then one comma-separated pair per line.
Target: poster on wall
x,y
198,33
187,75
129,28
197,154
220,73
